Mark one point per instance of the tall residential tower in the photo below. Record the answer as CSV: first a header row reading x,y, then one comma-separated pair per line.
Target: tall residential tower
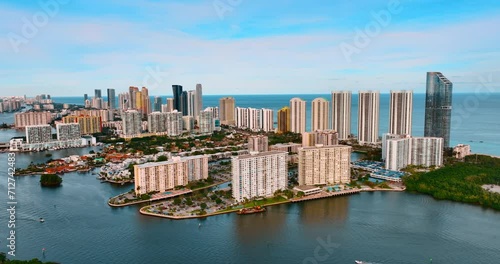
x,y
400,112
341,113
438,107
368,117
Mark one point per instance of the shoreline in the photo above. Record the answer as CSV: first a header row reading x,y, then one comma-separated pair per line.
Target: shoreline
x,y
143,210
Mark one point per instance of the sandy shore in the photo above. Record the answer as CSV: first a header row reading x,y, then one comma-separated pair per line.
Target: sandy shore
x,y
491,188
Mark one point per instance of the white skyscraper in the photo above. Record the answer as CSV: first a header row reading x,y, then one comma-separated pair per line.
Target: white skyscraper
x,y
319,114
267,120
198,100
69,131
341,113
400,112
38,134
206,122
368,117
131,122
191,103
397,155
297,115
427,151
259,174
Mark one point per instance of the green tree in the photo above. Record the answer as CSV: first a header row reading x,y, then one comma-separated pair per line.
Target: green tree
x,y
203,206
177,201
162,158
50,180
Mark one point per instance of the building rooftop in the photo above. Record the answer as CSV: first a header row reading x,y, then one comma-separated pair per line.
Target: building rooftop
x,y
260,154
320,146
306,187
171,161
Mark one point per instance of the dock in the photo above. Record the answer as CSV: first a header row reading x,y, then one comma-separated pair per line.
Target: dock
x,y
324,194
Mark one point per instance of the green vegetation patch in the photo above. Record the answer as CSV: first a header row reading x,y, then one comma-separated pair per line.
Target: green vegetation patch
x,y
461,182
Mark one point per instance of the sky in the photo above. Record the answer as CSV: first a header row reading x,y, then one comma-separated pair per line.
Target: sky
x,y
70,47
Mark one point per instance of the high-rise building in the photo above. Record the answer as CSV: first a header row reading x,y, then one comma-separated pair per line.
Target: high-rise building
x,y
319,114
184,103
85,97
267,120
400,112
284,120
368,117
38,134
258,143
145,106
69,131
111,99
187,123
427,151
341,113
177,92
97,93
397,155
320,137
124,101
191,103
133,97
131,122
385,138
157,104
198,100
259,174
32,119
166,175
226,111
206,122
97,103
322,165
297,115
88,124
438,105
169,107
169,122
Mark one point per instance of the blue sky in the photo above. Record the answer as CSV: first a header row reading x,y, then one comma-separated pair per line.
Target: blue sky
x,y
246,47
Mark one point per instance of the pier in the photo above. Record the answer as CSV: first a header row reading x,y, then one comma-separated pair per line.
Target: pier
x,y
323,195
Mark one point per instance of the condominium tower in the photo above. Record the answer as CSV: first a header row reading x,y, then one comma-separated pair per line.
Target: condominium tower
x,y
322,165
131,122
319,114
111,99
368,117
226,111
258,143
284,120
438,106
297,115
341,113
400,112
166,175
259,174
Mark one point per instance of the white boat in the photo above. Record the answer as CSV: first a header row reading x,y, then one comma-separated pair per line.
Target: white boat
x,y
358,262
41,220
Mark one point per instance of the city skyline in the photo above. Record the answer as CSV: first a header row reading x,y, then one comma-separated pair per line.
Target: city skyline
x,y
225,50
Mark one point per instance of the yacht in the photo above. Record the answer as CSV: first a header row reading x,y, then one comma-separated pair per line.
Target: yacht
x,y
41,220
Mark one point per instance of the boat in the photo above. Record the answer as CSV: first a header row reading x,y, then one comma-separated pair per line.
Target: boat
x,y
358,262
253,210
41,220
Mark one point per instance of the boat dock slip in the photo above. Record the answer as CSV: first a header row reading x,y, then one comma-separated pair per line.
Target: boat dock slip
x,y
323,194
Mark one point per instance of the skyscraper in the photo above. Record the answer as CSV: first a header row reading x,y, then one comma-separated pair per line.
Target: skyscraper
x,y
177,91
131,122
284,120
184,103
324,165
191,103
111,99
438,105
258,143
85,97
341,113
133,97
157,104
169,107
198,101
97,93
297,115
226,111
400,113
319,114
368,117
38,134
145,106
206,122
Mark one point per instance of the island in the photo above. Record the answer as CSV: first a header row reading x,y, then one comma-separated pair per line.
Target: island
x,y
50,180
5,260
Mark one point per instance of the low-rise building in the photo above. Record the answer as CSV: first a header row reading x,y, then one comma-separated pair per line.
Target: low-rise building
x,y
461,151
